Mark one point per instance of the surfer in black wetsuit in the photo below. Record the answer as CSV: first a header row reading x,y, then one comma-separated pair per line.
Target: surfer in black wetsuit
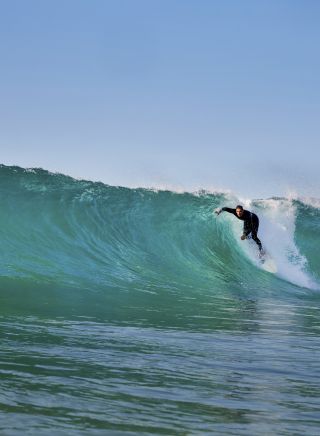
x,y
250,225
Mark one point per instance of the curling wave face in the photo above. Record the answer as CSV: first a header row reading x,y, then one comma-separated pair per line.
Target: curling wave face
x,y
85,246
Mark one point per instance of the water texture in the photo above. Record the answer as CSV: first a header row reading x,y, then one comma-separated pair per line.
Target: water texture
x,y
138,311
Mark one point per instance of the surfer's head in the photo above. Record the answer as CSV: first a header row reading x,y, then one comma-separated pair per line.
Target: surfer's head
x,y
239,210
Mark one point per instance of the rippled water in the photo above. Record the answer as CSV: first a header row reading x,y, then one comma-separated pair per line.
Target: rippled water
x,y
138,312
79,376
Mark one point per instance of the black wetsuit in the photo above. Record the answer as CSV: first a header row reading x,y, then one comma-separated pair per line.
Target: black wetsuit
x,y
250,225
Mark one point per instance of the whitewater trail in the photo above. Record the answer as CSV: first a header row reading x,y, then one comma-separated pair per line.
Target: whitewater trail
x,y
277,231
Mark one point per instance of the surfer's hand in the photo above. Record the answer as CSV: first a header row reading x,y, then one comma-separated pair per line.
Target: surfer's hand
x,y
217,211
243,237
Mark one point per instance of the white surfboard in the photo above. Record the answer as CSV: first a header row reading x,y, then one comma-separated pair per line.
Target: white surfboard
x,y
268,263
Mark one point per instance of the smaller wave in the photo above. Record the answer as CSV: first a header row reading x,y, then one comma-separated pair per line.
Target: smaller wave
x,y
309,201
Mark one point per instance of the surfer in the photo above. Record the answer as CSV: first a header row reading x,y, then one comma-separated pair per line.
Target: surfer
x,y
250,225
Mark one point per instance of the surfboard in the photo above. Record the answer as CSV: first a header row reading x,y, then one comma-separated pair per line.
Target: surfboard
x,y
268,263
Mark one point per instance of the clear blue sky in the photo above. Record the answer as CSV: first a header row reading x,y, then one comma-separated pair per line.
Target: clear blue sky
x,y
186,93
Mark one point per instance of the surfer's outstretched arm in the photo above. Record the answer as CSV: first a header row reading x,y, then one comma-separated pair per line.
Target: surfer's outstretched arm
x,y
226,209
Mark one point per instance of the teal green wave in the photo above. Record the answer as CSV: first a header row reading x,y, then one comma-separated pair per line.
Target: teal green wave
x,y
93,247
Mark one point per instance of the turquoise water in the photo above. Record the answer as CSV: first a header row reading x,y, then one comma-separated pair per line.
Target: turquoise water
x,y
134,311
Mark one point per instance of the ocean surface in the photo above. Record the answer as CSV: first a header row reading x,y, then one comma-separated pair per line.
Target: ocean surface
x,y
139,311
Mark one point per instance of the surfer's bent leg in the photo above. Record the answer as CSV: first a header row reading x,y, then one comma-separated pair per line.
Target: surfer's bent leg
x,y
256,239
254,231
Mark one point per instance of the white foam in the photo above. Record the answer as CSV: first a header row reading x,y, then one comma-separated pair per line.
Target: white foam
x,y
276,232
